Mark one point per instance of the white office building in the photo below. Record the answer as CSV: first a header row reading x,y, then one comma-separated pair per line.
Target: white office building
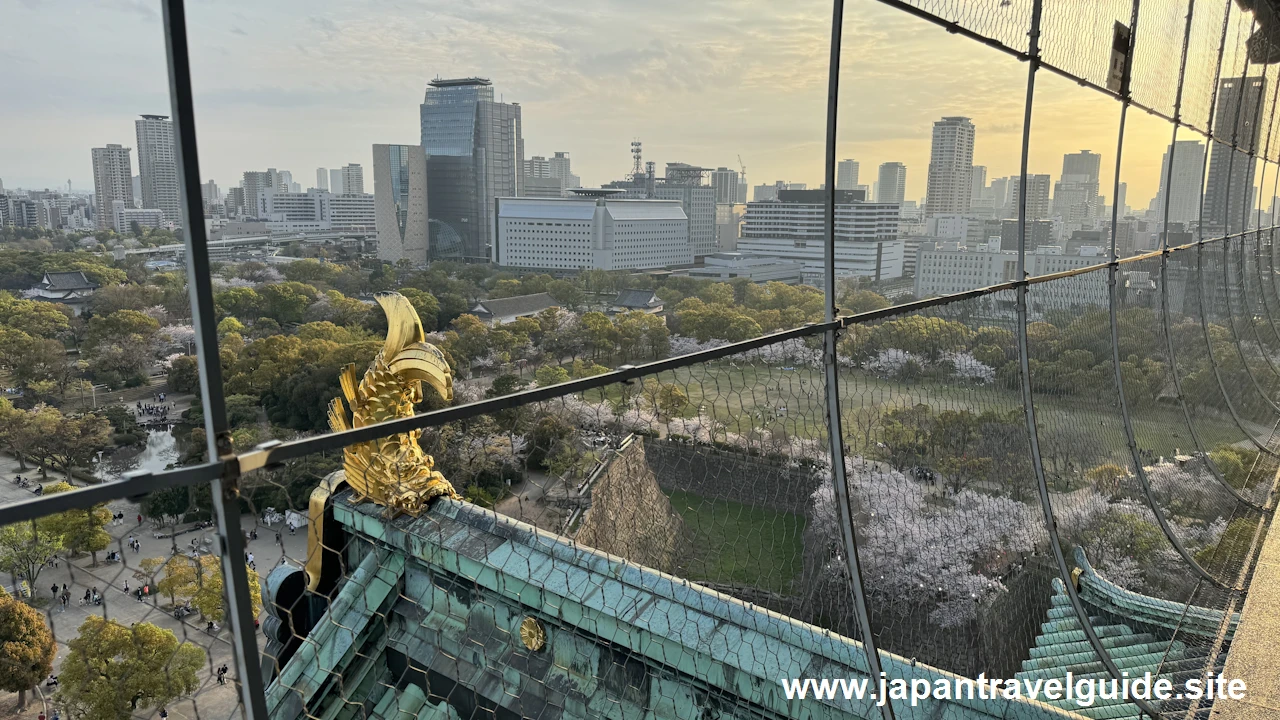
x,y
726,266
124,216
699,204
791,228
158,165
595,229
952,267
322,179
315,210
400,201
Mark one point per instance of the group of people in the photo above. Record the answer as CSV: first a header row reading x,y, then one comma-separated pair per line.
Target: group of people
x,y
222,674
160,412
135,544
63,595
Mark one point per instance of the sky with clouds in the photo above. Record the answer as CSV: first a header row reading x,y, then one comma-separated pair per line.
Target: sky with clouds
x,y
301,84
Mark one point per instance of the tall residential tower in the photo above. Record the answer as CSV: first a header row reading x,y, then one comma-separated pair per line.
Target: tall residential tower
x,y
892,183
112,181
158,166
950,186
1228,193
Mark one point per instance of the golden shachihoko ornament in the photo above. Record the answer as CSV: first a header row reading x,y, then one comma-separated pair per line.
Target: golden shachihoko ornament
x,y
393,471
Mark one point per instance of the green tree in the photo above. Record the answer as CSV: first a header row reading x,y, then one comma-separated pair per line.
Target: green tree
x,y
287,302
230,325
122,326
27,648
37,319
426,304
184,374
550,375
169,502
25,430
207,592
861,301
670,400
717,294
566,293
81,529
75,439
172,576
239,302
113,671
601,335
451,306
25,552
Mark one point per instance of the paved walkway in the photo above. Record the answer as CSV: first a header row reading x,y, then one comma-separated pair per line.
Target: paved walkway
x,y
212,700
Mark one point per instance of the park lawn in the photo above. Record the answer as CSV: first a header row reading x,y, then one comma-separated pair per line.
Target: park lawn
x,y
743,396
738,544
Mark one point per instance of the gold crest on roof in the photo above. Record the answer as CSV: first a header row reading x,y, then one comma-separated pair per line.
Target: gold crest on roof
x,y
393,471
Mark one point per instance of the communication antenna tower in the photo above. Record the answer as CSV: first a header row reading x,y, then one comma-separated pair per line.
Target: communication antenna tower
x,y
636,168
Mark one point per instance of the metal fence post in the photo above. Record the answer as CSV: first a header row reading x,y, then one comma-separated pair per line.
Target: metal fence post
x,y
839,481
1051,526
225,489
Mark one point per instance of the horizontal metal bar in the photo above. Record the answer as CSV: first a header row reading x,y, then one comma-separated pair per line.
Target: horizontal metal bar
x,y
274,453
132,487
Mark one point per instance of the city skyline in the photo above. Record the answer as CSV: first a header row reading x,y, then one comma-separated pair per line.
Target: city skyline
x,y
749,82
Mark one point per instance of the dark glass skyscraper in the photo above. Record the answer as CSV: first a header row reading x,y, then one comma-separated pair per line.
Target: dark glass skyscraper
x,y
1229,190
475,153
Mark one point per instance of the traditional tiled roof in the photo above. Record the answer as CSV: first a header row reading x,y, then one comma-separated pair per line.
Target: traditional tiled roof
x,y
639,299
1141,634
444,595
67,281
519,306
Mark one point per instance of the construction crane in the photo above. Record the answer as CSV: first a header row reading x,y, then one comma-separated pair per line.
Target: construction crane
x,y
742,177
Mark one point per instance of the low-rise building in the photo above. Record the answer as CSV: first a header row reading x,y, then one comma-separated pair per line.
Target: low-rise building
x,y
726,266
71,288
593,229
505,310
124,217
632,300
792,228
316,210
951,267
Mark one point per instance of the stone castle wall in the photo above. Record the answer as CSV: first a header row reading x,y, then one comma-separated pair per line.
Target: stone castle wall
x,y
630,516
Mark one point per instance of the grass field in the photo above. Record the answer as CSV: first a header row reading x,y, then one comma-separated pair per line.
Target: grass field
x,y
745,396
738,544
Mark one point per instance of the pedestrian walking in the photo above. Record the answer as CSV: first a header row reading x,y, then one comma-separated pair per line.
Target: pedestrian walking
x,y
279,540
54,590
164,714
126,586
139,519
